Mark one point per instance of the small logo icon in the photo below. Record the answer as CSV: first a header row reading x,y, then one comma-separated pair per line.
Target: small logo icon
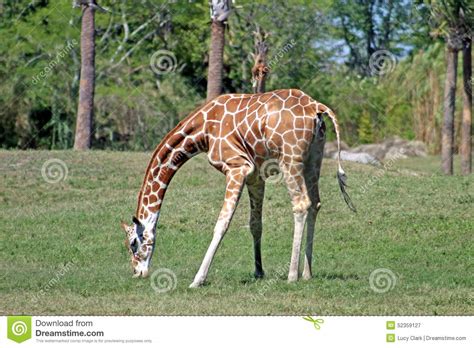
x,y
316,322
54,171
390,337
163,280
19,328
163,62
382,280
390,325
270,171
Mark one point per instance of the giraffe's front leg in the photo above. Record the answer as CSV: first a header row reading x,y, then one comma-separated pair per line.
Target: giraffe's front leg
x,y
235,181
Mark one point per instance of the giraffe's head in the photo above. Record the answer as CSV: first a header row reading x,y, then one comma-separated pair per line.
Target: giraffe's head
x,y
139,247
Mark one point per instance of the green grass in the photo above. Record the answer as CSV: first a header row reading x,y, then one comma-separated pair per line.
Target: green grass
x,y
411,220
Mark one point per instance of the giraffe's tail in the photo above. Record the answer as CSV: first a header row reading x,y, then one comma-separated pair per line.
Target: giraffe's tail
x,y
341,175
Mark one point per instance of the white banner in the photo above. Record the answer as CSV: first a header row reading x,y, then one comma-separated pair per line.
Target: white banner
x,y
237,331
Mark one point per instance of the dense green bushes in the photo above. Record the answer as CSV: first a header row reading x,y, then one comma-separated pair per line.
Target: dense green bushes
x,y
138,100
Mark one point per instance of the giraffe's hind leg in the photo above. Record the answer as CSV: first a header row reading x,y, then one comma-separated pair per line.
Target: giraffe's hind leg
x,y
294,177
235,180
312,171
256,190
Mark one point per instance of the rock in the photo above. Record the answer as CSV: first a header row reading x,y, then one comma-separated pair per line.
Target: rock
x,y
376,150
360,157
394,140
391,149
415,149
395,153
330,148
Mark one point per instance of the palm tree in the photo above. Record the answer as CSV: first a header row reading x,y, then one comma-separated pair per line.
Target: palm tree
x,y
466,127
447,132
220,10
85,112
453,19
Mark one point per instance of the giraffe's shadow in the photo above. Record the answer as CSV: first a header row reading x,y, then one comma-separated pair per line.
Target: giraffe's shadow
x,y
335,276
250,279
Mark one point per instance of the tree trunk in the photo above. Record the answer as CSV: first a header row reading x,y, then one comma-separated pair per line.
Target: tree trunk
x,y
370,33
85,110
216,59
447,135
466,127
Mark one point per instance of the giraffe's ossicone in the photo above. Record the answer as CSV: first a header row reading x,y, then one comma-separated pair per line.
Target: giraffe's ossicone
x,y
240,132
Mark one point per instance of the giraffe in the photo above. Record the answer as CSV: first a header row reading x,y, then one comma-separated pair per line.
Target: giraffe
x,y
240,133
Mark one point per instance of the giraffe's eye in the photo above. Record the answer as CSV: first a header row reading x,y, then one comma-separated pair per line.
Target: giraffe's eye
x,y
134,246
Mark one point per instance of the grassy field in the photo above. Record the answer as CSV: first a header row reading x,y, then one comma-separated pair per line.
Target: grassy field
x,y
62,250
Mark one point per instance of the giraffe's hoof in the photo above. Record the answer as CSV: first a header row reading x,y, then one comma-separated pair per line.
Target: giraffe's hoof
x,y
292,278
196,284
259,274
307,276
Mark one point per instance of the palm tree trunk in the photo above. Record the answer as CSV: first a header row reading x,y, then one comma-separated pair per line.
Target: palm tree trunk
x,y
447,135
216,59
466,128
85,110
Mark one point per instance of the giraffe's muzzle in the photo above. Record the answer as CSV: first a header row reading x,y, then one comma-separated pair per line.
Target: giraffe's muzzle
x,y
140,274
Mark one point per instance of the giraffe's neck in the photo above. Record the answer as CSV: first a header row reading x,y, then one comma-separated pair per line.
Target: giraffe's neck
x,y
186,140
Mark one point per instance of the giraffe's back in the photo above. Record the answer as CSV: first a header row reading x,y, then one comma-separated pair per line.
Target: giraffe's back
x,y
259,126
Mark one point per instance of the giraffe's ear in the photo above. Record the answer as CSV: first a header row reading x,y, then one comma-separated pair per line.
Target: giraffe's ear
x,y
136,221
124,226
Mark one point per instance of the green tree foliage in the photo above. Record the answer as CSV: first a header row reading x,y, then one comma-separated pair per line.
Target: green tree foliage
x,y
365,129
452,19
367,26
152,57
